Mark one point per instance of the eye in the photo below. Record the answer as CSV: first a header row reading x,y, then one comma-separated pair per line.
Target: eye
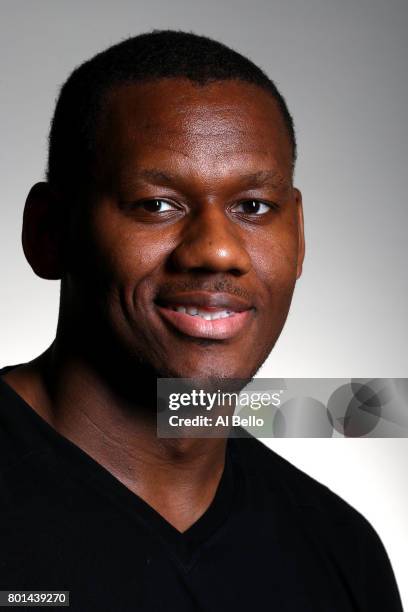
x,y
254,207
156,205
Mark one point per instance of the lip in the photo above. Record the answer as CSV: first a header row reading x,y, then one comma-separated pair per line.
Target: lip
x,y
219,329
206,300
197,327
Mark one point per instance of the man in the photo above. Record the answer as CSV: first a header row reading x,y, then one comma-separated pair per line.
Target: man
x,y
171,218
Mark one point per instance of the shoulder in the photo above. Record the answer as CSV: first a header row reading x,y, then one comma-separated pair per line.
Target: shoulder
x,y
302,489
21,428
324,513
331,527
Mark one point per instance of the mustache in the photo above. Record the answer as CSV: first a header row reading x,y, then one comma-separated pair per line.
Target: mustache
x,y
215,286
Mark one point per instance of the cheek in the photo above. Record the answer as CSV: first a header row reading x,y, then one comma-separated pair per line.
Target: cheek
x,y
276,261
130,261
124,253
276,266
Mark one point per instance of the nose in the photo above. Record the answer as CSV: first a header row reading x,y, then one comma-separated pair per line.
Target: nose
x,y
211,243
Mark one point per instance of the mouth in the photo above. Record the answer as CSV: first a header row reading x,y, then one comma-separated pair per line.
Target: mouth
x,y
212,316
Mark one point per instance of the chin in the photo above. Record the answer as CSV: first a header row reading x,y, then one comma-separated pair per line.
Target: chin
x,y
212,372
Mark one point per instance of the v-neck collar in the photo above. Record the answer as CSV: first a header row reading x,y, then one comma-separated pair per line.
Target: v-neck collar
x,y
183,547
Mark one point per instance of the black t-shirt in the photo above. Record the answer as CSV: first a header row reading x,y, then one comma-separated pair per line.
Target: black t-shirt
x,y
272,539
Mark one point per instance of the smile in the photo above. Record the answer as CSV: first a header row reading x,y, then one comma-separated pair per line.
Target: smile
x,y
204,314
210,322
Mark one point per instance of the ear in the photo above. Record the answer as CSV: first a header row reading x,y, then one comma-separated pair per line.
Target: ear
x,y
42,232
301,232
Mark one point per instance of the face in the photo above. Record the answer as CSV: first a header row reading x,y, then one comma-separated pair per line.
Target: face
x,y
189,251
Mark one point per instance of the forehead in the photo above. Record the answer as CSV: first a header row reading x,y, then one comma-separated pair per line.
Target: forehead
x,y
211,128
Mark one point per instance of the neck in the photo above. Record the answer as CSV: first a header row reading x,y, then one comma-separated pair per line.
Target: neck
x,y
177,477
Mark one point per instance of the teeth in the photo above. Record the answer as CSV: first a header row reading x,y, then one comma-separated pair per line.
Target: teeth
x,y
204,314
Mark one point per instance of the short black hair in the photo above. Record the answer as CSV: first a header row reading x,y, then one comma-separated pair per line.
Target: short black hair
x,y
150,56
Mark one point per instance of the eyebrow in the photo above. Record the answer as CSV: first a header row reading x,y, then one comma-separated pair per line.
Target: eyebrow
x,y
153,175
262,178
271,178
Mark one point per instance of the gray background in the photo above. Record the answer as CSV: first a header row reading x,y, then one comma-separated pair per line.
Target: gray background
x,y
341,65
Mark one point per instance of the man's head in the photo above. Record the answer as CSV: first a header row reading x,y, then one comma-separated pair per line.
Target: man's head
x,y
161,54
170,189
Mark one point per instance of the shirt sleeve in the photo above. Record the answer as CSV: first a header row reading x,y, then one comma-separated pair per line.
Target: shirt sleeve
x,y
380,588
